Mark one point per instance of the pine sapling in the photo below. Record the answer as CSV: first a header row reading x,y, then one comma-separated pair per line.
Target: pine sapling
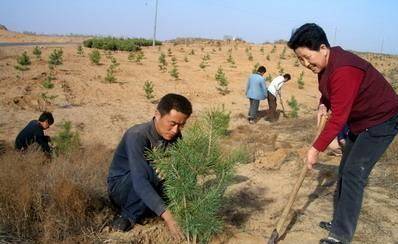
x,y
37,52
23,62
294,106
196,174
222,81
66,140
162,62
148,89
300,80
95,57
174,72
56,57
80,50
110,77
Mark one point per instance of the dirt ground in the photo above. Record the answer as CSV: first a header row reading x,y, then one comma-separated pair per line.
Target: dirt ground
x,y
101,112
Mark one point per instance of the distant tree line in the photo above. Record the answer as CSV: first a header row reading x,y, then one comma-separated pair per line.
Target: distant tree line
x,y
112,43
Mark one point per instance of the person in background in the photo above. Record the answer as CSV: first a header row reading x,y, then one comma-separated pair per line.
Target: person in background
x,y
34,133
256,90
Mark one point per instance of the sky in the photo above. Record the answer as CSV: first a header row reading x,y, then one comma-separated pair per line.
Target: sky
x,y
361,25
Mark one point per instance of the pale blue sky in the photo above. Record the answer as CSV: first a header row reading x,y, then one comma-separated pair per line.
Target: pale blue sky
x,y
361,25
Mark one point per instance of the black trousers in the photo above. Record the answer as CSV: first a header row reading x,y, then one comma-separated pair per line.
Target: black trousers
x,y
359,157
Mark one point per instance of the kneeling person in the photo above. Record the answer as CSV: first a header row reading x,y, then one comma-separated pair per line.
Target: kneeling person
x,y
34,133
133,185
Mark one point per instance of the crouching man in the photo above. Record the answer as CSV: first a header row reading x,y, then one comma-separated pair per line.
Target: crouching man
x,y
133,184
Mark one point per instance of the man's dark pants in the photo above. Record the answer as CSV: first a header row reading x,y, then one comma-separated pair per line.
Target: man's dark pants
x,y
253,109
272,106
360,155
122,195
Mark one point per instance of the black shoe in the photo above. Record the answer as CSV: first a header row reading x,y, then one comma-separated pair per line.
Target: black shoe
x,y
325,225
121,224
329,240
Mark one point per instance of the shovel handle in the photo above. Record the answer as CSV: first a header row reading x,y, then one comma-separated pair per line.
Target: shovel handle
x,y
298,184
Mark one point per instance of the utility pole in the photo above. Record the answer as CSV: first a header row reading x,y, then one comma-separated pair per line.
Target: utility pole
x,y
154,27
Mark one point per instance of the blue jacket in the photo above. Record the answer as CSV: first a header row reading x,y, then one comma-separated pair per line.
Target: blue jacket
x,y
256,88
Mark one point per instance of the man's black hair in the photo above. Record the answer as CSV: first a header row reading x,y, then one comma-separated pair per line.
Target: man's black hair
x,y
309,35
174,101
47,116
287,76
261,70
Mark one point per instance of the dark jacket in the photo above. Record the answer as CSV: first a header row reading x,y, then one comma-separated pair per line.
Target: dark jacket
x,y
129,158
32,133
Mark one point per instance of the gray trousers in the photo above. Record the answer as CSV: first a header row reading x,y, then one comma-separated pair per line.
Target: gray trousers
x,y
253,109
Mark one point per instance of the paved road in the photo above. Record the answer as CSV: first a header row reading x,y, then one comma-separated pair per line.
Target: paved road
x,y
13,44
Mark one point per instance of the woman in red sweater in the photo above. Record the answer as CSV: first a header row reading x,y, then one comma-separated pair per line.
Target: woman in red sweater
x,y
359,96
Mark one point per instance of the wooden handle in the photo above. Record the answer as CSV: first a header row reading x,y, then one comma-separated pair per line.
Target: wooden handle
x,y
298,184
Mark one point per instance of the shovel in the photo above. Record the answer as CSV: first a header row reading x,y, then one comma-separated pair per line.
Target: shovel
x,y
277,232
283,107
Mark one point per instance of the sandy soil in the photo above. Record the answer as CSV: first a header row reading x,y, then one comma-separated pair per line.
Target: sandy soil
x,y
101,112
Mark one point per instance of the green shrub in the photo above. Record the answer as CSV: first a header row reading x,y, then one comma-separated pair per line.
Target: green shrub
x,y
250,56
110,77
47,83
95,57
268,57
148,89
37,52
197,174
24,59
80,50
222,81
294,106
300,80
162,62
111,43
174,73
230,59
47,98
55,57
66,140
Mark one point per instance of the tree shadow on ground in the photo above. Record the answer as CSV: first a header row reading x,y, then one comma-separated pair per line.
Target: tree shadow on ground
x,y
241,205
326,178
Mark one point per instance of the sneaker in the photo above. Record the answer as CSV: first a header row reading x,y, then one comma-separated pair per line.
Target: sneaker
x,y
251,121
330,240
121,224
325,225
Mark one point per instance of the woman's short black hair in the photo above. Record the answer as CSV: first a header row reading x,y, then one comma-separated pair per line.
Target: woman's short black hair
x,y
47,116
174,101
309,35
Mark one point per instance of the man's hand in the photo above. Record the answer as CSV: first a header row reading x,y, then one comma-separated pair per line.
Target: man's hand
x,y
172,225
322,111
312,157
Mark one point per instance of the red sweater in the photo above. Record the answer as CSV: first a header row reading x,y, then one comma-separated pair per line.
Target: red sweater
x,y
356,93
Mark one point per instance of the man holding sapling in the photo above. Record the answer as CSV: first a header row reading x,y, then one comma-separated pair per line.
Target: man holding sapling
x,y
133,184
357,95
